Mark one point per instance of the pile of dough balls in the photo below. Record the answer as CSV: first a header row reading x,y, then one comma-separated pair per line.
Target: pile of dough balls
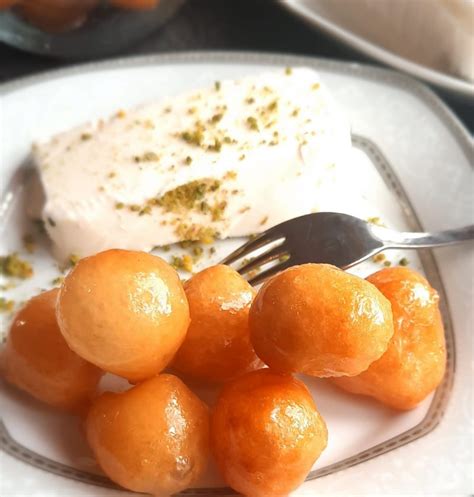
x,y
128,314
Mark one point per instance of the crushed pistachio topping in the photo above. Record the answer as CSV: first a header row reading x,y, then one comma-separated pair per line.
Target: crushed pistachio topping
x,y
387,263
284,258
6,305
288,71
375,220
188,160
121,114
51,222
73,259
250,100
12,266
217,85
242,157
86,136
57,281
403,261
379,258
230,175
29,243
188,196
119,205
212,250
264,221
147,157
203,234
252,123
185,262
315,86
112,174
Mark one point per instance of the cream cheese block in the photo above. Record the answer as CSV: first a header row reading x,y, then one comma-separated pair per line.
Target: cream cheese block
x,y
225,161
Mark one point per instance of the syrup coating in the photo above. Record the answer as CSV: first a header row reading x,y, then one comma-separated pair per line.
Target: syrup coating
x,y
153,438
37,359
217,346
319,320
415,361
266,433
124,311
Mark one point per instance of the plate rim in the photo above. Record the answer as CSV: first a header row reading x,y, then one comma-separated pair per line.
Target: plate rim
x,y
382,76
442,80
378,74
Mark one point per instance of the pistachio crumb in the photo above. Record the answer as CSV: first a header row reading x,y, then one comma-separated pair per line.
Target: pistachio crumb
x,y
288,71
403,262
13,266
379,258
387,263
252,123
119,205
121,114
57,281
73,260
29,243
217,85
284,257
6,305
188,160
264,221
86,136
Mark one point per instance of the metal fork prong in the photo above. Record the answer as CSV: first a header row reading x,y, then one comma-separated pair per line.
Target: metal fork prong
x,y
268,256
264,275
262,240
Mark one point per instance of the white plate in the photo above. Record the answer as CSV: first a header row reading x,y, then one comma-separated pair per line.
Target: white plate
x,y
316,13
413,163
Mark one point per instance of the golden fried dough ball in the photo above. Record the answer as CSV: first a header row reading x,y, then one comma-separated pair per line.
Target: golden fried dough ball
x,y
124,311
56,16
319,320
217,346
37,359
153,438
266,433
135,4
414,363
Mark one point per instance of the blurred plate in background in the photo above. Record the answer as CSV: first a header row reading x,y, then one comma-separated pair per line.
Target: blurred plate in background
x,y
355,24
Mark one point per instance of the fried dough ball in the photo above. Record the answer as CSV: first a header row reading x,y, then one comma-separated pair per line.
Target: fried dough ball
x,y
5,4
415,361
56,16
217,346
153,438
319,320
37,359
266,433
124,311
135,4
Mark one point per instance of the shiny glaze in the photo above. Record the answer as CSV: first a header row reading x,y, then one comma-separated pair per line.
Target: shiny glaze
x,y
153,438
319,320
266,433
124,311
415,360
37,359
217,345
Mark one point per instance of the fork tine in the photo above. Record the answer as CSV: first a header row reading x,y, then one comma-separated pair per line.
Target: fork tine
x,y
264,275
268,256
265,238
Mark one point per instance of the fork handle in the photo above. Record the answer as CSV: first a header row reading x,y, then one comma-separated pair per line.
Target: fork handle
x,y
394,239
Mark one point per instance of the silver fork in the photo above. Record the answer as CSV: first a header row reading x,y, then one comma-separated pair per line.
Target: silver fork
x,y
332,238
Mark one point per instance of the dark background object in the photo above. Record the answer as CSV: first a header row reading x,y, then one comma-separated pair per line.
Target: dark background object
x,y
254,25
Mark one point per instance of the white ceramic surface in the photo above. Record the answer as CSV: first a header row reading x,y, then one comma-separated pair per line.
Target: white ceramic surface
x,y
317,13
401,130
